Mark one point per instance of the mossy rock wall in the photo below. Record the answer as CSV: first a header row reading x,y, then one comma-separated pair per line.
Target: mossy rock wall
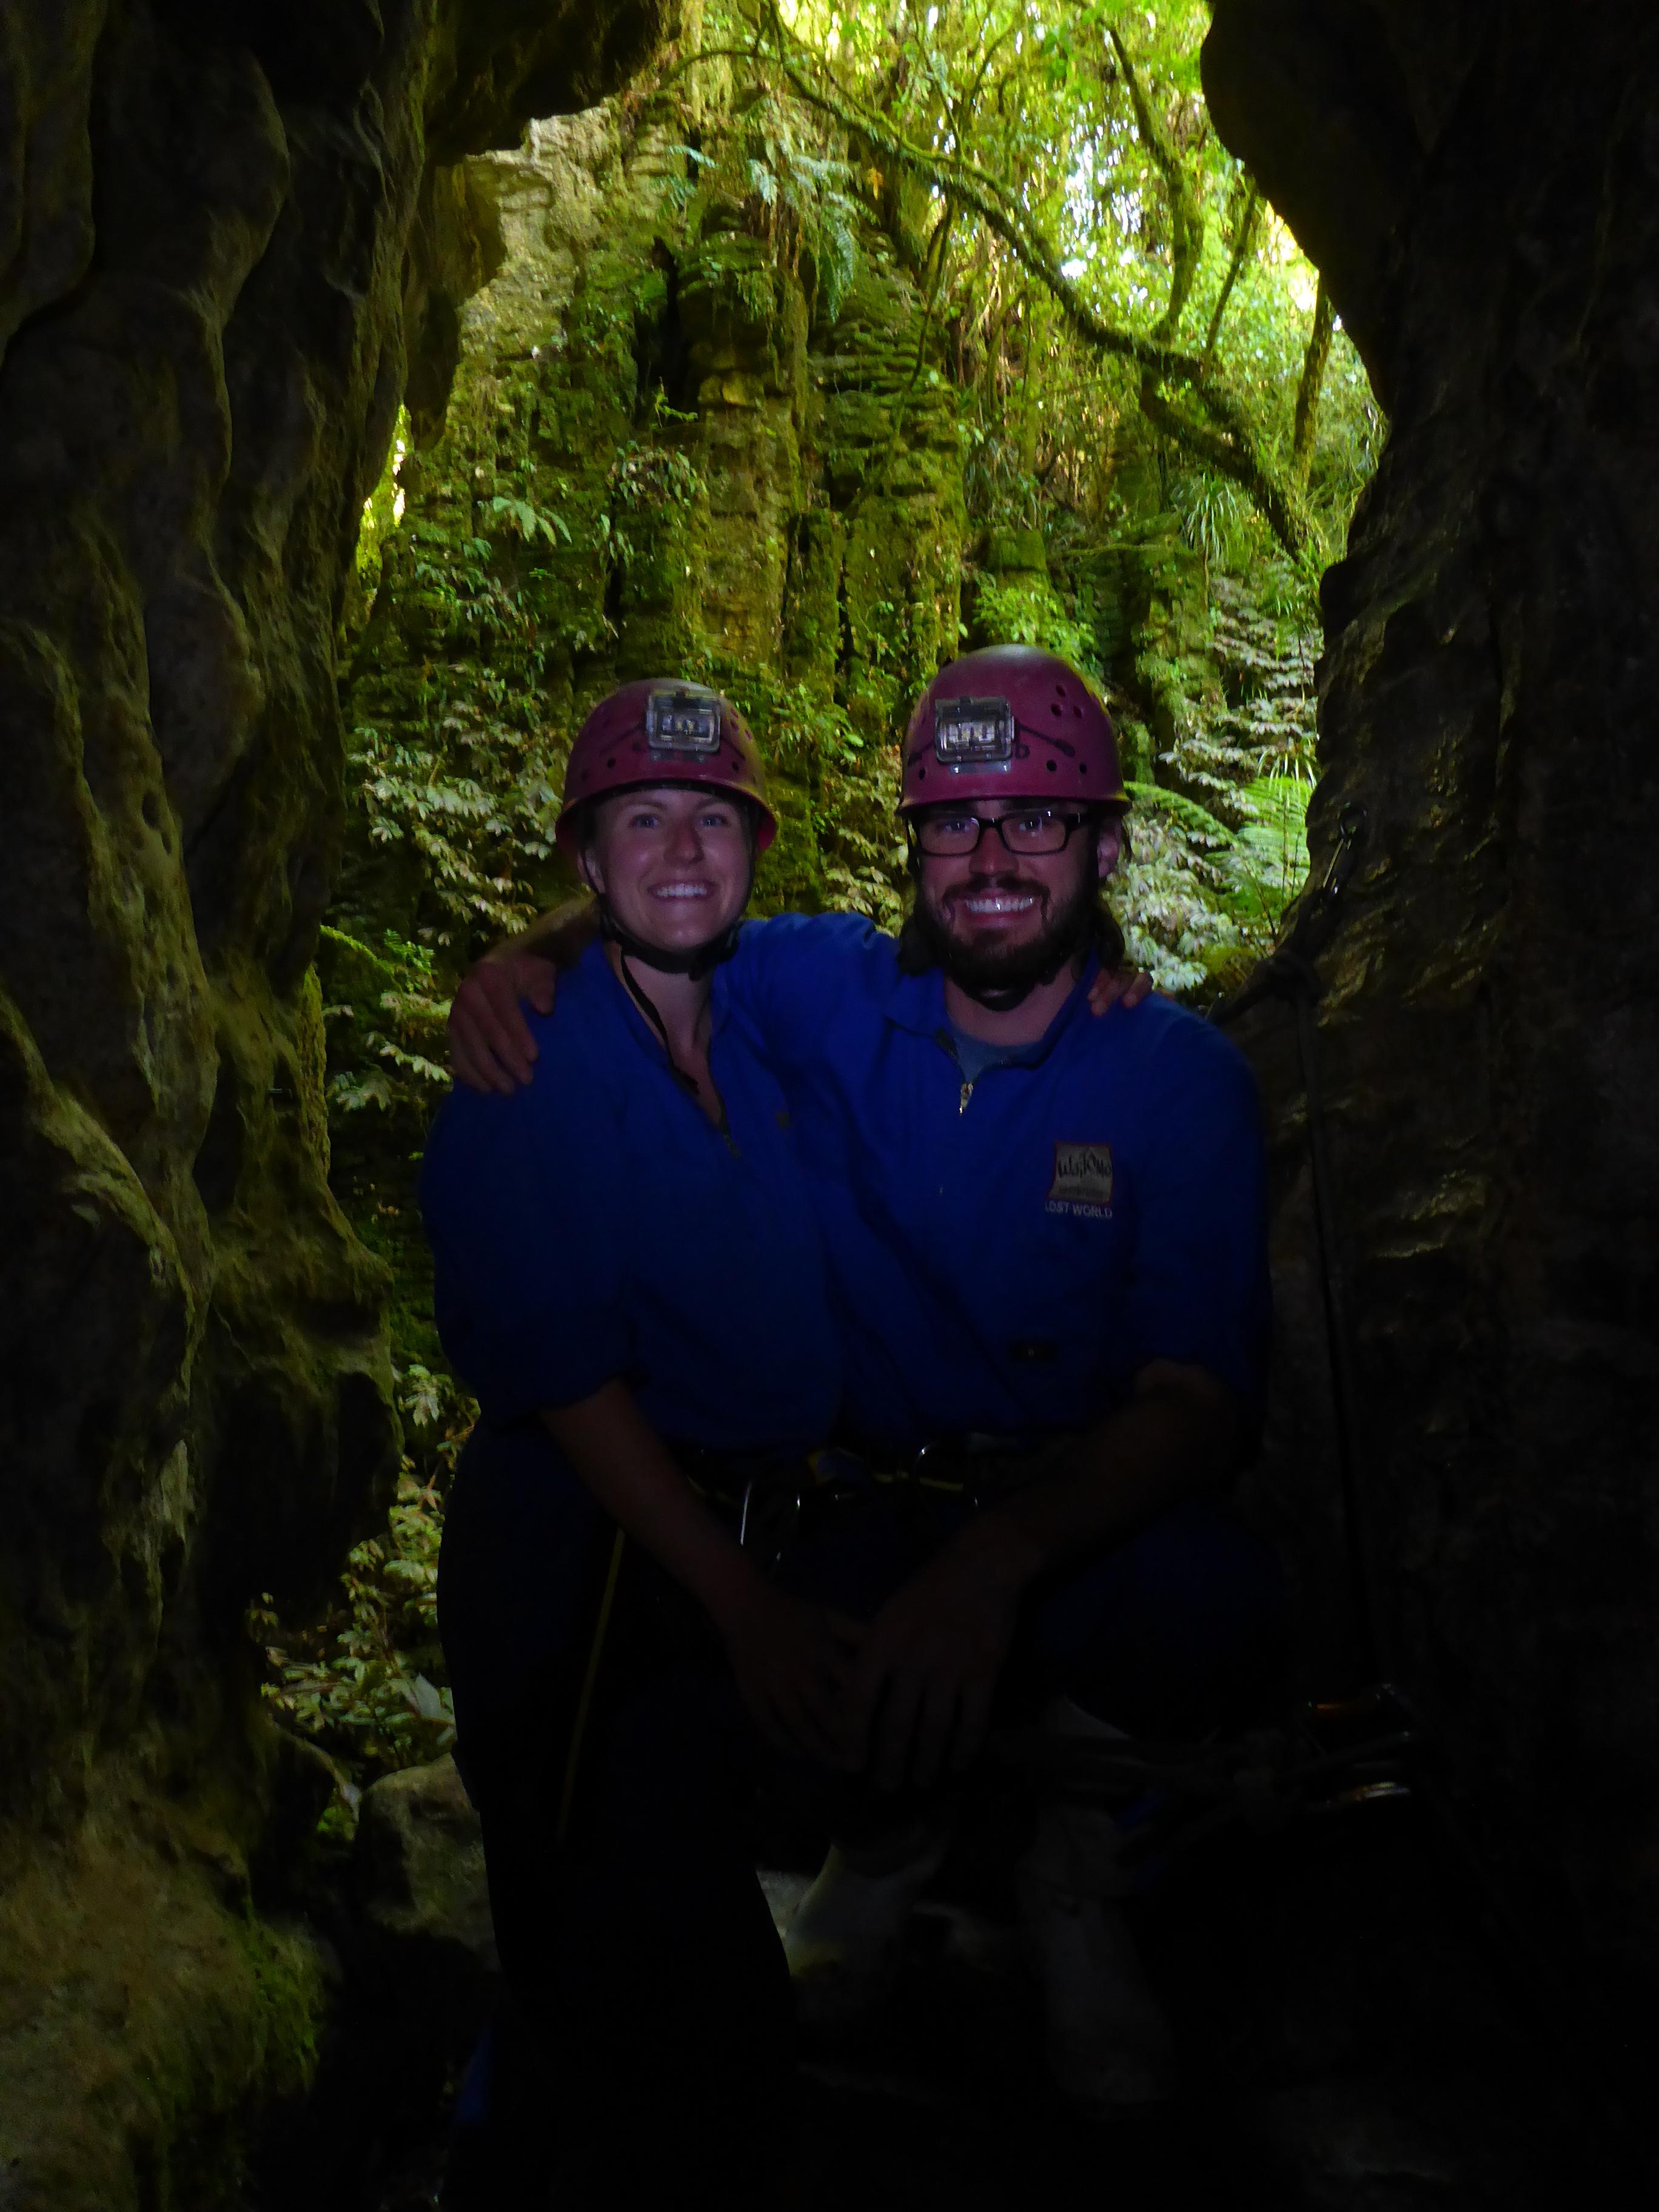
x,y
1492,662
214,226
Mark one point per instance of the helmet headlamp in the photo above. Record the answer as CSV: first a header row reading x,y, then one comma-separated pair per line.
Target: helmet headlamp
x,y
973,732
682,724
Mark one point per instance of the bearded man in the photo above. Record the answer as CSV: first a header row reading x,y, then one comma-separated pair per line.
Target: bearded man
x,y
1046,1241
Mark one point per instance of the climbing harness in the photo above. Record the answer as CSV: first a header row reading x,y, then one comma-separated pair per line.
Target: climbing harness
x,y
1288,974
765,1494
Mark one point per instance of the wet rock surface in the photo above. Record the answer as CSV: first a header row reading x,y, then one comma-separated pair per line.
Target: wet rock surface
x,y
1489,1048
421,1893
208,227
1348,2039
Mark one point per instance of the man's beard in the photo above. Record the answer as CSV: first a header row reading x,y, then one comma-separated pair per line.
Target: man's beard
x,y
1006,973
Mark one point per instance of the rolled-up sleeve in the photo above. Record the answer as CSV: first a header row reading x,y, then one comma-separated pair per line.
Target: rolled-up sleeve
x,y
526,1212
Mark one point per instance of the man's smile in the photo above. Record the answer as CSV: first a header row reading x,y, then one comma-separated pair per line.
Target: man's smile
x,y
680,890
983,903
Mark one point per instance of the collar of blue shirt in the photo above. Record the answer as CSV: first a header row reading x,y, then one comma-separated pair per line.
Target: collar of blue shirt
x,y
917,1003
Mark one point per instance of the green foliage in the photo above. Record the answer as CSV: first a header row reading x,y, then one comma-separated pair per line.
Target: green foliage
x,y
1212,515
644,476
1025,611
773,173
529,521
391,1052
1267,668
1052,170
367,1683
855,791
1220,843
464,799
1266,861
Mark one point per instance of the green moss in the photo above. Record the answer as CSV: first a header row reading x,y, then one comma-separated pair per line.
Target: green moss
x,y
289,2003
147,2019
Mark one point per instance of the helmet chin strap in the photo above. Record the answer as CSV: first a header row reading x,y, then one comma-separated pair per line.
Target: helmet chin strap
x,y
695,960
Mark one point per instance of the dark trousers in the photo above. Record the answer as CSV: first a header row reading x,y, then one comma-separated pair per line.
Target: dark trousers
x,y
640,1952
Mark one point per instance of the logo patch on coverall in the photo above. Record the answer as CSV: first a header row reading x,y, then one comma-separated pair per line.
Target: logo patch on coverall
x,y
1083,1180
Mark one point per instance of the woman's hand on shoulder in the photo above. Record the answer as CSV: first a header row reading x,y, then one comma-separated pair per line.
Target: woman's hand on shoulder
x,y
490,1046
1118,987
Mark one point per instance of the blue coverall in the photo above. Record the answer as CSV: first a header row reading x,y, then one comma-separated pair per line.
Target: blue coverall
x,y
1003,1256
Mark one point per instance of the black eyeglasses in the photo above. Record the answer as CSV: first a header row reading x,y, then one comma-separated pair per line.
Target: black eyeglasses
x,y
951,836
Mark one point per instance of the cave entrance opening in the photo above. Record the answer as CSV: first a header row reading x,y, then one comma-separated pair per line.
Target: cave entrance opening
x,y
779,374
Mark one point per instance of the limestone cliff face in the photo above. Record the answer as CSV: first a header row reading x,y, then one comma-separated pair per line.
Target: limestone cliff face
x,y
1481,183
212,219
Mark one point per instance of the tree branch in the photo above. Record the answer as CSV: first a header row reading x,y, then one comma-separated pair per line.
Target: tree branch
x,y
1279,507
1228,442
1313,376
1186,208
1246,228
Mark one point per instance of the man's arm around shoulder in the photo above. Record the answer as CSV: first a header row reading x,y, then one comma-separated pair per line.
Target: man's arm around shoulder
x,y
490,1045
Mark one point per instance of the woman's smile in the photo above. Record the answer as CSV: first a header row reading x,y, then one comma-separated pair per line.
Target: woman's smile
x,y
673,862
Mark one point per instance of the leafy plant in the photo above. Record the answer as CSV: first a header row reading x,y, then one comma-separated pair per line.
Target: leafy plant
x,y
401,1062
1266,861
781,173
367,1684
1021,612
529,521
1211,515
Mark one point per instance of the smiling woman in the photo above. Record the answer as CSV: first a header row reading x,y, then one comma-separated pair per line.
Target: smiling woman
x,y
671,868
665,814
582,1570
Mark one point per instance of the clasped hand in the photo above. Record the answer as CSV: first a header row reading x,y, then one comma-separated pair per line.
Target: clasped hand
x,y
906,1697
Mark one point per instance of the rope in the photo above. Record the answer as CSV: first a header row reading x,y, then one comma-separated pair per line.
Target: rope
x,y
1288,974
589,1682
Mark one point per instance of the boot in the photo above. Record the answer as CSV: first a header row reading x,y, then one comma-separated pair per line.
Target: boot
x,y
846,1942
1108,2041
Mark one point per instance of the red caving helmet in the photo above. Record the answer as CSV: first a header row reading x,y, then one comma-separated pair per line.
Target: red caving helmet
x,y
659,731
1009,722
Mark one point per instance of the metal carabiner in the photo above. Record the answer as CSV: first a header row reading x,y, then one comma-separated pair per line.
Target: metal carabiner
x,y
1350,827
